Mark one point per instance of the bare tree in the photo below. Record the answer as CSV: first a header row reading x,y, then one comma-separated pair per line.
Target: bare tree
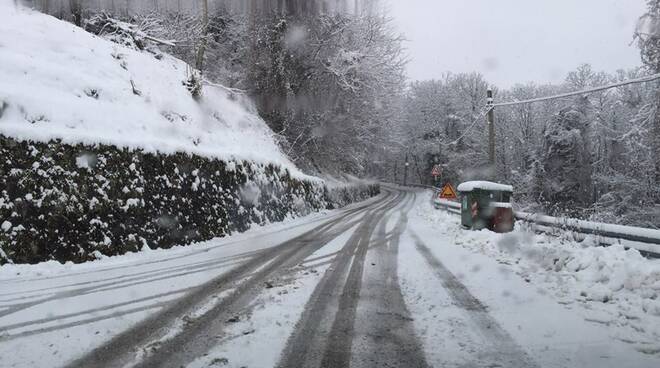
x,y
76,11
203,41
648,36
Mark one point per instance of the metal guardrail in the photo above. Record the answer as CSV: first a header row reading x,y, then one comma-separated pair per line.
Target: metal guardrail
x,y
644,240
631,233
449,206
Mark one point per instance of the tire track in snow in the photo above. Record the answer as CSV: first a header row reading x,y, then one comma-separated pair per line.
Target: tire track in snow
x,y
200,334
384,332
193,342
124,283
504,350
26,299
324,334
338,350
305,347
189,252
32,293
94,312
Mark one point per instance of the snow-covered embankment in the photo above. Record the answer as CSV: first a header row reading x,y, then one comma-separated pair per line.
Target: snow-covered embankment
x,y
104,150
613,289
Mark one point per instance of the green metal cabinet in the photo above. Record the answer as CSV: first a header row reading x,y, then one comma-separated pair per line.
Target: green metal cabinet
x,y
486,205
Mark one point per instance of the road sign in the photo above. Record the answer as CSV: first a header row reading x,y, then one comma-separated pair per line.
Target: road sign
x,y
448,192
437,171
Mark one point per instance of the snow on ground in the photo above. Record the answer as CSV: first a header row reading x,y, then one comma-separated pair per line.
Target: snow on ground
x,y
53,269
260,335
569,304
53,312
60,82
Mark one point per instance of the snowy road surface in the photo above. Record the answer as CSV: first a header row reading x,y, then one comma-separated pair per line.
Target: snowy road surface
x,y
389,282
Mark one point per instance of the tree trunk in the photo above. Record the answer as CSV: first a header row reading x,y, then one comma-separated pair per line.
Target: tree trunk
x,y
199,60
76,11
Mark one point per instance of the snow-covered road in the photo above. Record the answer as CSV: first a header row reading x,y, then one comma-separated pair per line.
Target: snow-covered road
x,y
386,282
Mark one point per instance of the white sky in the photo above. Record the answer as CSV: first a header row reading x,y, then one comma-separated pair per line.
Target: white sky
x,y
517,41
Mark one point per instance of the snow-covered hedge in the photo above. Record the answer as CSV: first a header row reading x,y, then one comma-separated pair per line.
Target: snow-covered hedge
x,y
75,202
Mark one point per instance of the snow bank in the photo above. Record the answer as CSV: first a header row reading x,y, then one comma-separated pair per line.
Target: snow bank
x,y
614,285
60,82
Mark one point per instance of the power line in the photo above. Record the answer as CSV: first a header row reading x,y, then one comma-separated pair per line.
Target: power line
x,y
491,106
469,129
649,78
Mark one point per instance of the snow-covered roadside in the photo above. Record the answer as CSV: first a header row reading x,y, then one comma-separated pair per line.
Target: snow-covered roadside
x,y
53,312
46,270
546,293
272,317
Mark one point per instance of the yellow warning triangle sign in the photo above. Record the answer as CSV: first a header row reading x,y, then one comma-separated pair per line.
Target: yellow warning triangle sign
x,y
448,192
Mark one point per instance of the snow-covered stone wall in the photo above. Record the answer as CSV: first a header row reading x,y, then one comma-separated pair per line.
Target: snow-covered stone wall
x,y
76,202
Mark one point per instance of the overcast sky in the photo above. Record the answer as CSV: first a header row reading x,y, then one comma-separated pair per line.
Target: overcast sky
x,y
516,41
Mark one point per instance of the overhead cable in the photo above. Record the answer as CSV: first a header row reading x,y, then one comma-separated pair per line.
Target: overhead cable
x,y
648,78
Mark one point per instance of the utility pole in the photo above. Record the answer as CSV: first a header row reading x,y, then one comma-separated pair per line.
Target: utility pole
x,y
491,127
405,172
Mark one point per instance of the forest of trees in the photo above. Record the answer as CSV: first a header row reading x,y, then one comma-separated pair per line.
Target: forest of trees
x,y
582,156
328,76
594,156
324,74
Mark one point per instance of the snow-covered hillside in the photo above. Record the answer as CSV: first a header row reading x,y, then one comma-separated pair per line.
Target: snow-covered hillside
x,y
60,82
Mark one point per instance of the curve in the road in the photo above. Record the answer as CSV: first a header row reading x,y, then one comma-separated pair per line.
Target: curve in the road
x,y
326,332
243,283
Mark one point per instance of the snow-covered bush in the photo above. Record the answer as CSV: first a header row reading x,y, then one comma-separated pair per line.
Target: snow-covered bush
x,y
75,202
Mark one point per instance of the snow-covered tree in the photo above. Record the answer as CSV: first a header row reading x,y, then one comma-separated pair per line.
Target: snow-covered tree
x,y
566,171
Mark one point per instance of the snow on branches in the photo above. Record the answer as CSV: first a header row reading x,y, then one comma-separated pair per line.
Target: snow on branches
x,y
131,35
